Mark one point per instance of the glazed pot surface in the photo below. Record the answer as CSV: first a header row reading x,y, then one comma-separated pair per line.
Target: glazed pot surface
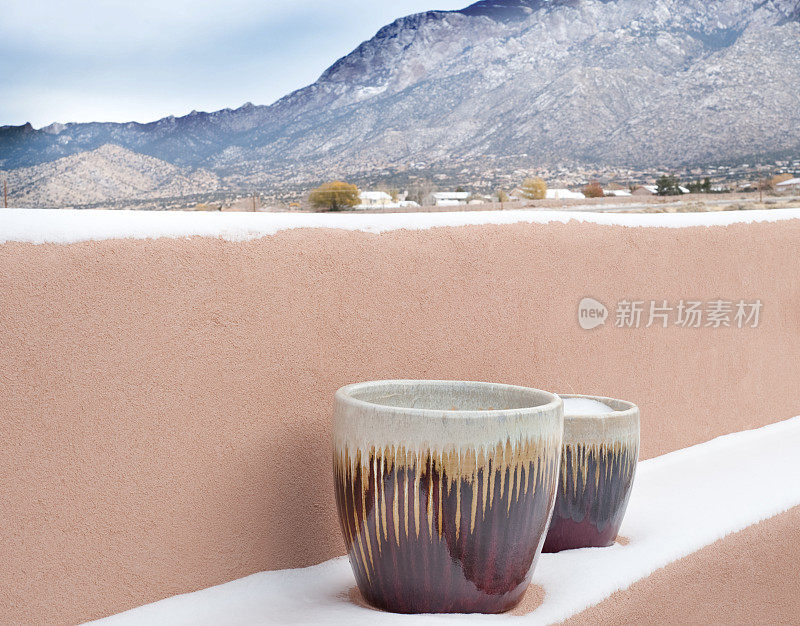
x,y
598,466
444,491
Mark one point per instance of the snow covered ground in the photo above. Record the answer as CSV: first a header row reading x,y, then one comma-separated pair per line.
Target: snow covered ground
x,y
69,226
681,502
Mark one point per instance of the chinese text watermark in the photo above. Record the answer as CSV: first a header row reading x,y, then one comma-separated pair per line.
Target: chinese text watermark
x,y
661,313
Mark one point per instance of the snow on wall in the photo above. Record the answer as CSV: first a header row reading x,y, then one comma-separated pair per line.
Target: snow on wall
x,y
681,502
70,226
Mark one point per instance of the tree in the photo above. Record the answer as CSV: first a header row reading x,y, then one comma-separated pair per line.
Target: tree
x,y
764,184
700,186
502,196
334,196
668,186
593,190
534,189
419,191
460,189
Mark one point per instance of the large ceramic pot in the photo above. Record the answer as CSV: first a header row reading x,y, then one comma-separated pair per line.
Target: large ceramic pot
x,y
445,490
598,465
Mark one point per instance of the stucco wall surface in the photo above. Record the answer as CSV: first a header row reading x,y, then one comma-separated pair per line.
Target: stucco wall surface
x,y
747,578
166,402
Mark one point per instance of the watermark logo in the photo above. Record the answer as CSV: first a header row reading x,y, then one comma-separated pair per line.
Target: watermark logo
x,y
591,313
663,314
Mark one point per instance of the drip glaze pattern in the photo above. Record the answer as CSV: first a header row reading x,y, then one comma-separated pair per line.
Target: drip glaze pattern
x,y
446,510
598,465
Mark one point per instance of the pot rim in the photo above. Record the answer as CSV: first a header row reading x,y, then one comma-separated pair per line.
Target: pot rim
x,y
552,402
628,409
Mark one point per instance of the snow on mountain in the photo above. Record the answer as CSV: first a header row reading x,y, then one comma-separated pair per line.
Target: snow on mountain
x,y
625,82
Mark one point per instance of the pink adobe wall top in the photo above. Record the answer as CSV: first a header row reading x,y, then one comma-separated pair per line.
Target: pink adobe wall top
x,y
166,402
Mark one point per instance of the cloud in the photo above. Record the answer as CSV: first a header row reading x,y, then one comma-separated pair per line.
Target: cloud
x,y
86,26
117,61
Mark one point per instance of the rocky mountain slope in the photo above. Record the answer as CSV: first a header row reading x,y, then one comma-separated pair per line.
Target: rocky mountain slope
x,y
627,82
107,174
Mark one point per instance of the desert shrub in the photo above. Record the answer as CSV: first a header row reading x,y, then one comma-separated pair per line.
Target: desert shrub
x,y
593,190
534,189
334,196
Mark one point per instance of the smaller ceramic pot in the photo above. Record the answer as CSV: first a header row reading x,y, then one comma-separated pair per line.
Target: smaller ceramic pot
x,y
598,464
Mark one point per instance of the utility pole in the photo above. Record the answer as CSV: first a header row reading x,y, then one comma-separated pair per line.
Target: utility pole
x,y
762,182
5,193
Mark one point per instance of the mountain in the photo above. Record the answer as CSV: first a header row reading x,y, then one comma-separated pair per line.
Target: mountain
x,y
645,83
107,174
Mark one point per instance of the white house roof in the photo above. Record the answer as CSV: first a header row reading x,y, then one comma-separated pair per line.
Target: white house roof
x,y
564,194
789,183
451,195
375,196
618,193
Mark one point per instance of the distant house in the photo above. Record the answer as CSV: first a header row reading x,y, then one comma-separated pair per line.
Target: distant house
x,y
645,190
793,184
564,194
373,200
446,198
652,190
618,193
377,200
480,200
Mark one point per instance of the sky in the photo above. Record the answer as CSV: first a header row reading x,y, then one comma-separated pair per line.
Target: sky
x,y
140,60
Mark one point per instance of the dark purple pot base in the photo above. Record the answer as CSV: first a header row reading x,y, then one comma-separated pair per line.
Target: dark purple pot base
x,y
436,545
565,534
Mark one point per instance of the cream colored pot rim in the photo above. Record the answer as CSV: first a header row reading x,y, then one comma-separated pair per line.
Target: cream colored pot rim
x,y
621,408
552,402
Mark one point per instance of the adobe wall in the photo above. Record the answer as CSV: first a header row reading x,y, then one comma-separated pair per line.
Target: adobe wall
x,y
166,402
